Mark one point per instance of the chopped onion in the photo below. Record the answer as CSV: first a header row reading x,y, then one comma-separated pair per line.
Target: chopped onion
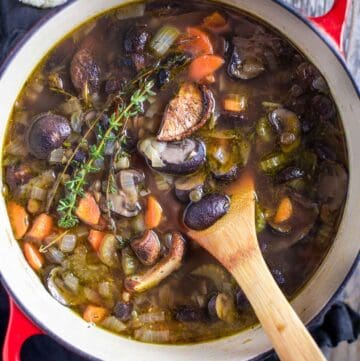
x,y
122,163
196,195
92,296
152,317
129,262
163,39
57,156
38,193
130,11
138,224
105,289
71,282
148,335
113,324
77,121
68,243
71,106
127,182
54,255
163,182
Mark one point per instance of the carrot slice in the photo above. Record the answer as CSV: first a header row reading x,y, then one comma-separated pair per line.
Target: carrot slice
x,y
204,66
216,23
234,103
42,227
94,314
33,256
284,210
153,213
198,42
95,238
88,210
19,219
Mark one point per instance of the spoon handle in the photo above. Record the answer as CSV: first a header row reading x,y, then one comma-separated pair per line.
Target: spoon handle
x,y
289,336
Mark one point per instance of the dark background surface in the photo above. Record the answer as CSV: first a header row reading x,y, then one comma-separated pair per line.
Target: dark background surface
x,y
340,323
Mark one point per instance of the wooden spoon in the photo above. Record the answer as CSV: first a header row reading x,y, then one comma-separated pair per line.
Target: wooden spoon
x,y
232,240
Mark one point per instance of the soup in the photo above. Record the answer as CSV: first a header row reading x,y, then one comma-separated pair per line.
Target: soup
x,y
128,133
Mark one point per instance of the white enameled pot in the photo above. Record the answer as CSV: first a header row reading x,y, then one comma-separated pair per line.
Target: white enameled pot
x,y
65,326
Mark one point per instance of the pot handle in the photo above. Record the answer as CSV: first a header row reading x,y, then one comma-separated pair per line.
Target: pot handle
x,y
333,22
20,328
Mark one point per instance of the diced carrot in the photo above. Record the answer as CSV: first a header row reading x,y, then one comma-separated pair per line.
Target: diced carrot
x,y
210,79
88,210
95,238
94,314
33,256
234,103
18,218
153,213
204,66
216,23
42,227
284,210
197,43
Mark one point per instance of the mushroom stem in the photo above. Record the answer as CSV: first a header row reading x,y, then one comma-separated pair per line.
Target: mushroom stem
x,y
169,264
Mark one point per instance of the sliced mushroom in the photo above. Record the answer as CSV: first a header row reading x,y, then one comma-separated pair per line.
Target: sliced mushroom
x,y
166,266
178,158
185,185
118,203
289,174
287,125
187,112
84,70
207,211
147,248
17,175
54,281
222,307
47,132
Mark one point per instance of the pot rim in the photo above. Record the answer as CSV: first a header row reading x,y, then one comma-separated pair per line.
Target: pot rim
x,y
307,22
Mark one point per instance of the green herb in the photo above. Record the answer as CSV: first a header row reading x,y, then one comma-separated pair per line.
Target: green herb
x,y
75,187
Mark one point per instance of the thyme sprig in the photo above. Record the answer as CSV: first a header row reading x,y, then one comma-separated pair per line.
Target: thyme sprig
x,y
75,187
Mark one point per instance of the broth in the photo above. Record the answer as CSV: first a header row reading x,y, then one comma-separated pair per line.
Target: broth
x,y
129,131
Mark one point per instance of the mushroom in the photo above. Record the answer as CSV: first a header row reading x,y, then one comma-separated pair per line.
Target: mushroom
x,y
119,204
187,112
185,185
47,132
166,266
287,125
18,174
178,158
147,248
222,307
289,174
207,211
84,70
123,310
134,45
54,281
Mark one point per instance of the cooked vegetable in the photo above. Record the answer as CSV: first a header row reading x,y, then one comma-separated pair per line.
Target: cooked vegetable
x,y
235,103
47,132
206,212
164,39
260,219
166,266
179,158
204,66
147,247
129,262
123,311
68,243
284,211
113,324
88,210
33,256
216,23
95,238
274,162
94,314
153,213
19,219
185,185
108,250
289,173
222,307
187,112
42,227
197,42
